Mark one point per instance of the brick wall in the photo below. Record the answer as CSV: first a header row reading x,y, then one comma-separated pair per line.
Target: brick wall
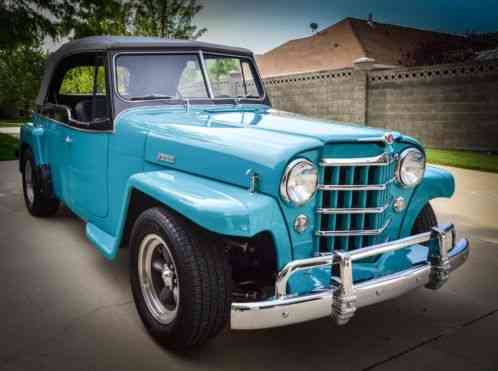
x,y
338,95
446,106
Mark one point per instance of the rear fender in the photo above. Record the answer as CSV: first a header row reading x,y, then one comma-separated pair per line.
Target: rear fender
x,y
32,137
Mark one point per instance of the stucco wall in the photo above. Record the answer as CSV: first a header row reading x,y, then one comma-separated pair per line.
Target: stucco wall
x,y
447,106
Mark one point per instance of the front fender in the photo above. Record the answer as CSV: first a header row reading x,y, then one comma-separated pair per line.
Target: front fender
x,y
436,183
218,207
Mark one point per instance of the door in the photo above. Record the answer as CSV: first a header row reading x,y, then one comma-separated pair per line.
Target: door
x,y
88,172
53,119
86,136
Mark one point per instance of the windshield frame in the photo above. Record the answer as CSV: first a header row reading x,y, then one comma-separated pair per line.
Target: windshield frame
x,y
207,82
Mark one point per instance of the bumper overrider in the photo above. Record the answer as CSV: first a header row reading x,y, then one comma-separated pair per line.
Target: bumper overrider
x,y
341,301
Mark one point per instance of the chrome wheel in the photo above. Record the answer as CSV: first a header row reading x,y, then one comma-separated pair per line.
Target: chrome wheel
x,y
158,278
28,181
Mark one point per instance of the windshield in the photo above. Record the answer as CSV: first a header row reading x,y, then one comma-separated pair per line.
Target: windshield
x,y
180,76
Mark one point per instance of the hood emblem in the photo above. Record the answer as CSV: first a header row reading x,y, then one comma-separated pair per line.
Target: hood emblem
x,y
163,157
389,138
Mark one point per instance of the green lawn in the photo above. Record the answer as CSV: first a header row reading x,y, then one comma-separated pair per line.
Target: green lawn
x,y
8,146
13,122
464,159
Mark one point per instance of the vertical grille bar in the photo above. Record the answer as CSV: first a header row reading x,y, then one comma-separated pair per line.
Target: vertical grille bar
x,y
379,200
346,201
322,220
361,204
334,198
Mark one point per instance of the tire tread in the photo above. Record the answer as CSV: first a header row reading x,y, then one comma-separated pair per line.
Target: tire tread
x,y
42,206
425,220
200,258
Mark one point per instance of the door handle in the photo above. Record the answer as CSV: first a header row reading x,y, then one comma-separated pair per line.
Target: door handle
x,y
68,140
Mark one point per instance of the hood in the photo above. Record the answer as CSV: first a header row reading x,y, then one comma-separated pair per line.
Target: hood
x,y
229,142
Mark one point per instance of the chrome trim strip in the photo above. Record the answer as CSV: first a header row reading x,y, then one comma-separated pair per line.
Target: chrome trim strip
x,y
382,248
373,210
277,313
459,254
353,233
392,286
288,310
355,187
383,159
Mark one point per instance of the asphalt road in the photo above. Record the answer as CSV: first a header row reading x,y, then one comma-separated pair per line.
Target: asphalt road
x,y
64,307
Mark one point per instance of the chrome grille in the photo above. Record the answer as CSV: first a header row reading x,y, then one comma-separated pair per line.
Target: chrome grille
x,y
355,201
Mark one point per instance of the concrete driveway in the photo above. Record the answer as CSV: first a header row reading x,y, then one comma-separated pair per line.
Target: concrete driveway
x,y
64,307
14,131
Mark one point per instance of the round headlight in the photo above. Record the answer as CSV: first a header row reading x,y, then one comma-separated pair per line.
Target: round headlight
x,y
411,167
299,182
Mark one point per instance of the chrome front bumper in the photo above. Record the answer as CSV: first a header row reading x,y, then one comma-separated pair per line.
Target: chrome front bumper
x,y
341,301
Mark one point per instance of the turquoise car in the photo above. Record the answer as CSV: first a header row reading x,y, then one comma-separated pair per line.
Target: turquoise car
x,y
234,213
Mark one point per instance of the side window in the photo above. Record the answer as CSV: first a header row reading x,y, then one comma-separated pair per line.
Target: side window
x,y
79,88
79,81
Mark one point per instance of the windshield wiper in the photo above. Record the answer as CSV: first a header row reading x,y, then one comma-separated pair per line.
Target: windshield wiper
x,y
151,97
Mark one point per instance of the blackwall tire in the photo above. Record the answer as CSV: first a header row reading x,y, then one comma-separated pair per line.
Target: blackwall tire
x,y
426,219
37,203
183,291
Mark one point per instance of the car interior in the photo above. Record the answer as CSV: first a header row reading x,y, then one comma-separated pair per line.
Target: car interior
x,y
74,86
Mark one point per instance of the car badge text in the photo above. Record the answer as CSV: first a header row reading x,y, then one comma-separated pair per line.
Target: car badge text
x,y
163,157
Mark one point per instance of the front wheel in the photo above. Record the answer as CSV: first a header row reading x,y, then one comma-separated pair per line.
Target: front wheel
x,y
180,279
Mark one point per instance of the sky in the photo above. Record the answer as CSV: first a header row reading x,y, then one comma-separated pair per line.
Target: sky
x,y
261,25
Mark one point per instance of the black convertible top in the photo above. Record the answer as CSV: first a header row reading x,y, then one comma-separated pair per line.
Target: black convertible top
x,y
104,43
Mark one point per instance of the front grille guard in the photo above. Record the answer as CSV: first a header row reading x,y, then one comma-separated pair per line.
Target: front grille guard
x,y
344,291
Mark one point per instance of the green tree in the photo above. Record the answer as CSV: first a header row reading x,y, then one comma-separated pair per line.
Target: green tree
x,y
97,17
21,70
220,68
80,80
27,22
166,18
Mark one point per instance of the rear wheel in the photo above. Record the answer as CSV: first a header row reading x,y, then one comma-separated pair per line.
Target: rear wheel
x,y
425,221
180,279
37,201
